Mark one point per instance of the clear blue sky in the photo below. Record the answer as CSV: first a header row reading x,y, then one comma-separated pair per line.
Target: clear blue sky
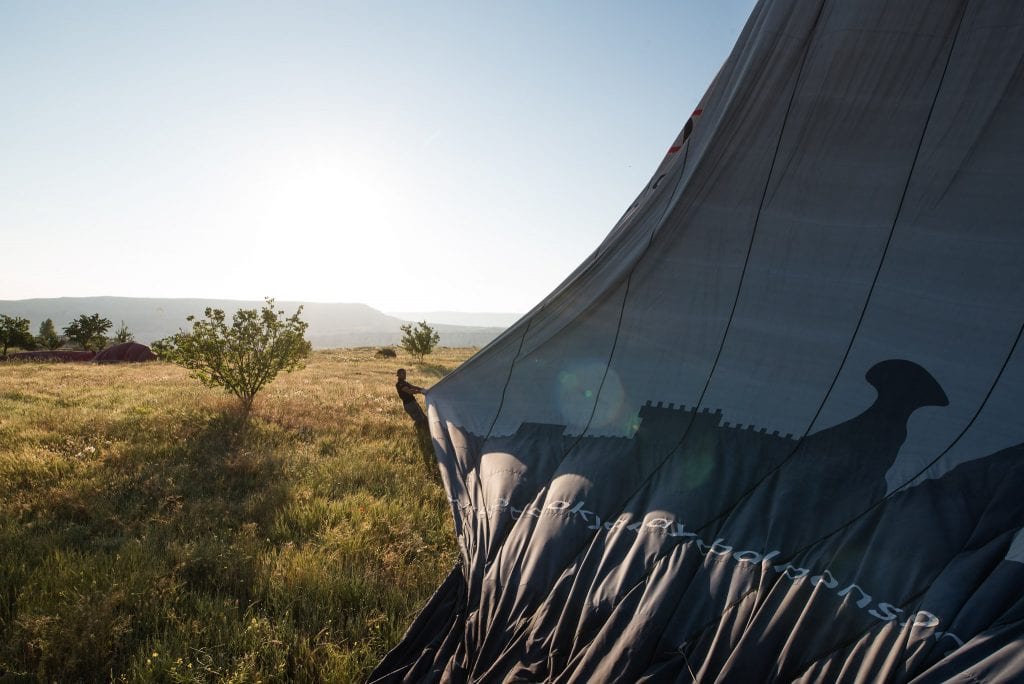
x,y
411,156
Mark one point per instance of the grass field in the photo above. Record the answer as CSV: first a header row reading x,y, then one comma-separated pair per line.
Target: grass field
x,y
148,534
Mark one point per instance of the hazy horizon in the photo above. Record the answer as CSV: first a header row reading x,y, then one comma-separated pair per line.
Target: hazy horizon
x,y
115,307
405,313
331,324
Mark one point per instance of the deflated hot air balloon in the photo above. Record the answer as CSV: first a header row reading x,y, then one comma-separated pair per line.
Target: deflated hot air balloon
x,y
772,428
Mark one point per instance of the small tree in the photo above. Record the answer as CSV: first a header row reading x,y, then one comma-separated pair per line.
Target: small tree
x,y
419,341
14,333
89,332
48,337
163,348
122,335
243,357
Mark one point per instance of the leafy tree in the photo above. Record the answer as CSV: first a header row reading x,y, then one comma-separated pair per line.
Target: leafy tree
x,y
89,332
163,348
243,357
14,333
122,335
48,337
419,341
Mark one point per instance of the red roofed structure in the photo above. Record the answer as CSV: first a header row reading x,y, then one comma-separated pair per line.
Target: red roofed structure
x,y
131,352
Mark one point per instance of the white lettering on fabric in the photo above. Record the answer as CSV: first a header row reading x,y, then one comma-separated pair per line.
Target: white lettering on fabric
x,y
754,557
830,583
659,523
680,531
865,597
531,511
617,525
793,572
701,546
889,611
578,510
673,529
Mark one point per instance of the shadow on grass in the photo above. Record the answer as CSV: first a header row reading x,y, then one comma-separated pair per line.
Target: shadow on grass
x,y
425,446
212,467
434,370
183,508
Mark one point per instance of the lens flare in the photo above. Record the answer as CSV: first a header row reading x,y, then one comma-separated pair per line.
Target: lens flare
x,y
588,392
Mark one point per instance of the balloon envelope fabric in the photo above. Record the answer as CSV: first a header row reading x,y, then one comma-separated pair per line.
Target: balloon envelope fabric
x,y
771,429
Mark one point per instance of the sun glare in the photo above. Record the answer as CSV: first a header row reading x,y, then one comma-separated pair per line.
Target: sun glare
x,y
333,211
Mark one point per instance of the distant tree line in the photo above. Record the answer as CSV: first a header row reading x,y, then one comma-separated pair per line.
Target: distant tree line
x,y
240,357
88,331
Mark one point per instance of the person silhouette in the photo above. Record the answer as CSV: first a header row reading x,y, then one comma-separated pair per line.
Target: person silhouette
x,y
406,392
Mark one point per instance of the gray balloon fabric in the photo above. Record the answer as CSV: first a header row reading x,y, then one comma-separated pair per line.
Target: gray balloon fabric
x,y
771,429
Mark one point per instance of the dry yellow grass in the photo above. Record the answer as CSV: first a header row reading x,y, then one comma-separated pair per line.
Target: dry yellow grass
x,y
147,534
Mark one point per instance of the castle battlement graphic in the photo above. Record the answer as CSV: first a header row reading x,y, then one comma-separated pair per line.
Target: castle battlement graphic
x,y
658,422
797,523
702,418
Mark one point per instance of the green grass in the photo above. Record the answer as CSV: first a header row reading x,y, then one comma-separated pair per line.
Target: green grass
x,y
148,534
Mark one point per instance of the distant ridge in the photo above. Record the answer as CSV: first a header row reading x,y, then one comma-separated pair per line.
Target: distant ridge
x,y
476,319
330,325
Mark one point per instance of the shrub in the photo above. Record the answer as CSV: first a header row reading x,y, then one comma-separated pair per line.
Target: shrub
x,y
48,337
419,341
241,358
386,353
